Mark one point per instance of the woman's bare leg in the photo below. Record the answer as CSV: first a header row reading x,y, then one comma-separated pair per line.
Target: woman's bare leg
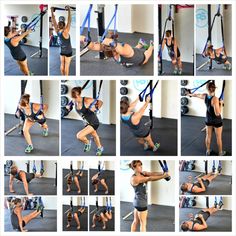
x,y
76,180
67,65
31,216
82,135
149,140
62,67
24,67
103,183
143,220
209,130
96,139
218,132
27,125
148,54
135,222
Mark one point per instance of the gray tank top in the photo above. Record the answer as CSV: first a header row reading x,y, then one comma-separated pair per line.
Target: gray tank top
x,y
140,198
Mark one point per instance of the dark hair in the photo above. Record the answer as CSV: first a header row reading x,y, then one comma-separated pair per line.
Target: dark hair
x,y
134,163
183,187
13,170
7,30
16,200
184,226
211,87
168,33
209,49
95,181
124,105
75,92
24,100
61,24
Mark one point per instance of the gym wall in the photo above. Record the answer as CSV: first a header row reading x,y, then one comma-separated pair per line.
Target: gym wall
x,y
101,201
130,23
50,203
201,202
76,201
184,32
76,165
109,165
30,11
108,114
226,166
73,21
49,167
164,98
197,106
202,28
50,93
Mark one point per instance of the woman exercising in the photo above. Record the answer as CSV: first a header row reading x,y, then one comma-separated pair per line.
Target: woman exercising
x,y
99,178
22,176
139,181
201,184
63,32
76,179
103,214
34,113
213,118
198,222
134,120
122,53
76,216
88,113
12,40
19,221
218,55
173,51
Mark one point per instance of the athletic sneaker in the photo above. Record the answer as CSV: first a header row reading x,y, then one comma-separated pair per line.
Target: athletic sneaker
x,y
180,72
106,192
151,43
175,72
31,73
99,151
45,132
208,153
156,147
221,204
223,153
143,43
219,169
87,146
145,146
29,149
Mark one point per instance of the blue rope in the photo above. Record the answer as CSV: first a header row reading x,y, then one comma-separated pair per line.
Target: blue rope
x,y
143,93
35,21
222,91
34,167
97,97
86,19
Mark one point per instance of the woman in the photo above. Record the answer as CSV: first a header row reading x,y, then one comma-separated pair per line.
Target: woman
x,y
99,178
18,220
76,216
213,118
122,53
218,55
82,107
199,186
34,113
103,214
12,41
134,120
173,51
63,32
76,179
139,181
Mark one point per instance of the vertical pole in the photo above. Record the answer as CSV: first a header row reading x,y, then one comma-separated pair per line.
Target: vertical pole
x,y
41,36
101,25
27,166
209,30
207,202
160,37
206,167
56,175
151,106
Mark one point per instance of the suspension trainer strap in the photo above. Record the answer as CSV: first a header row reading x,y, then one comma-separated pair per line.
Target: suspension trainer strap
x,y
193,90
97,97
71,204
71,167
85,85
143,93
109,24
41,94
41,168
97,203
222,91
34,167
35,21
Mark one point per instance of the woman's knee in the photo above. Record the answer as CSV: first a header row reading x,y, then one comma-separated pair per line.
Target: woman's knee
x,y
80,136
174,61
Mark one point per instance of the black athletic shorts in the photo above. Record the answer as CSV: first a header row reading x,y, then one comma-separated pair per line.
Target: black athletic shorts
x,y
205,214
214,125
21,59
95,126
141,208
66,54
206,182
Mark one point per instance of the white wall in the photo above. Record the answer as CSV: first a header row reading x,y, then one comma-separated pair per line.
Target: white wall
x,y
108,165
164,98
50,93
107,115
159,192
226,166
76,164
128,24
202,28
184,31
201,202
101,201
73,23
50,203
49,167
30,11
77,201
197,106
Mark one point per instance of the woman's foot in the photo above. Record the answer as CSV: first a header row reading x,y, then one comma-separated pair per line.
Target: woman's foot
x,y
99,151
208,153
156,147
106,192
79,191
93,226
227,66
145,146
180,71
175,72
143,43
78,228
68,190
222,153
87,146
29,149
45,132
68,226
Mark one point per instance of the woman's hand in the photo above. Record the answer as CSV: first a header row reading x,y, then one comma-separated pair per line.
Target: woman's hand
x,y
148,98
107,41
82,39
52,9
67,7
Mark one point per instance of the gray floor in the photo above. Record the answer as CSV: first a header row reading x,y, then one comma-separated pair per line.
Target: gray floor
x,y
38,66
167,68
221,185
90,65
43,146
54,64
83,220
110,181
217,69
83,183
193,139
164,131
42,186
221,221
110,225
70,146
160,218
46,224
